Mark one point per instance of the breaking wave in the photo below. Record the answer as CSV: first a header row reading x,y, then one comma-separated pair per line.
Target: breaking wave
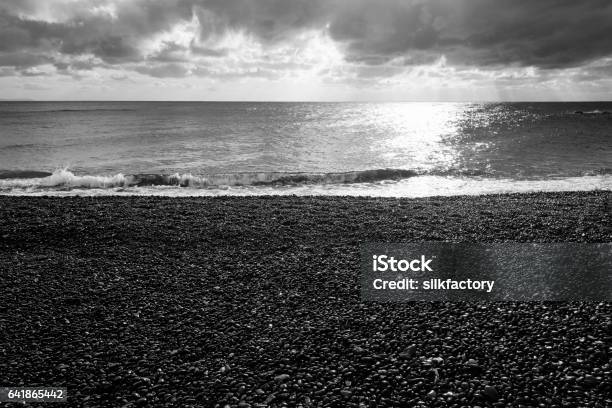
x,y
65,180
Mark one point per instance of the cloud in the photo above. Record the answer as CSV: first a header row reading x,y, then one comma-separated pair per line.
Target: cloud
x,y
7,72
377,38
33,72
171,52
543,33
208,52
17,34
23,59
113,37
119,77
164,71
268,20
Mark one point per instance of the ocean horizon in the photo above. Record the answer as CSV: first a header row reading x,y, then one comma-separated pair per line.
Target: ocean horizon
x,y
403,149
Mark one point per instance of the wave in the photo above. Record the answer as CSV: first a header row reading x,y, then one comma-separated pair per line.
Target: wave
x,y
592,112
67,110
65,179
602,171
23,174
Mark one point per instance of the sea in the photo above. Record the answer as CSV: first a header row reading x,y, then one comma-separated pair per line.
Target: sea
x,y
406,149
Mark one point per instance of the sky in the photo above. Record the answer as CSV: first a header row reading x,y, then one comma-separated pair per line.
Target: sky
x,y
306,50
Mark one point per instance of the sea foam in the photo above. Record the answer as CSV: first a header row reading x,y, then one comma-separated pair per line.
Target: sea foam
x,y
64,178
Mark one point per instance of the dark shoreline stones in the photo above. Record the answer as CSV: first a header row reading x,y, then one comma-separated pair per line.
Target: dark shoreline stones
x,y
254,301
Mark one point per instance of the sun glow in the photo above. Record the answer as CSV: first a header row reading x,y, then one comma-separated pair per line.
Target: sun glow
x,y
418,130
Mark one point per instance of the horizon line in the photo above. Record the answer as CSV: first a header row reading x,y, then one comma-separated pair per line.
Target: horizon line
x,y
302,101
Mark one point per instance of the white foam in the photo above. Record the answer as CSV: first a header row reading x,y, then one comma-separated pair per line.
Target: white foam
x,y
422,186
65,178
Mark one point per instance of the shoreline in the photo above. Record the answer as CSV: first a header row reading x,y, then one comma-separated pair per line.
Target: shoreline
x,y
196,194
208,301
423,186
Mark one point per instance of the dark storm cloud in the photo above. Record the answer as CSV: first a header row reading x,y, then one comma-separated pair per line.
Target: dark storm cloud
x,y
17,34
548,34
542,33
22,59
269,20
114,40
74,38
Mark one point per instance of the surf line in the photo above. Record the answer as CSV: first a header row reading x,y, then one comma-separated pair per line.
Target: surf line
x,y
449,284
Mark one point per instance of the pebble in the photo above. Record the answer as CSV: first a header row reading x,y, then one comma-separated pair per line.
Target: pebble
x,y
490,393
282,377
288,320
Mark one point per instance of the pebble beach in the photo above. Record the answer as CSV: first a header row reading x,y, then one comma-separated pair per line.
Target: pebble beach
x,y
254,302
